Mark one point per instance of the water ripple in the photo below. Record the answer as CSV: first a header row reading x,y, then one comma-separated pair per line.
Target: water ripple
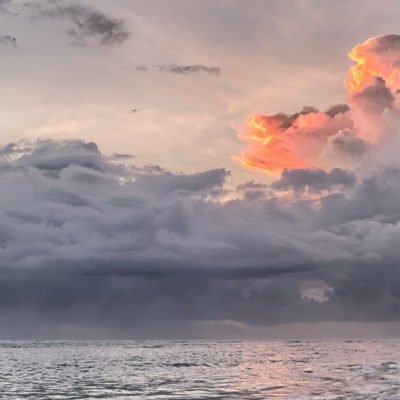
x,y
200,370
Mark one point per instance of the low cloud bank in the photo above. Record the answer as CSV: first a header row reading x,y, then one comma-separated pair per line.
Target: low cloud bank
x,y
88,241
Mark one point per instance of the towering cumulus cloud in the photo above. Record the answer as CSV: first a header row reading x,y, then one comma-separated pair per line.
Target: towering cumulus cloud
x,y
376,58
313,138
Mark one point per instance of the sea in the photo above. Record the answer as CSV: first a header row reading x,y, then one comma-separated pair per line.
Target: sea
x,y
200,370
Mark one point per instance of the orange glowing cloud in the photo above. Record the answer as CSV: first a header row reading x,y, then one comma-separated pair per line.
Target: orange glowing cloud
x,y
280,141
377,57
269,151
304,139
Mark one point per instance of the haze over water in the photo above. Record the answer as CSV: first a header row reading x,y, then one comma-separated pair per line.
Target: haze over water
x,y
200,370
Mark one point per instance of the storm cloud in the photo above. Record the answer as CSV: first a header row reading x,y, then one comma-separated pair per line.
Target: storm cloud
x,y
87,241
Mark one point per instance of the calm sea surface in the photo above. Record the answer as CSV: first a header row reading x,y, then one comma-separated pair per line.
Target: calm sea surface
x,y
200,370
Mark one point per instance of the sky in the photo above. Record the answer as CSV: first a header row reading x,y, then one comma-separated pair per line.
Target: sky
x,y
177,168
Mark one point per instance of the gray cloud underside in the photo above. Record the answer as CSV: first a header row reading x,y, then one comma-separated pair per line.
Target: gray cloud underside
x,y
86,240
316,180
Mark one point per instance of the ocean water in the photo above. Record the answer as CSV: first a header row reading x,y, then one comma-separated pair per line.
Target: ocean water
x,y
200,370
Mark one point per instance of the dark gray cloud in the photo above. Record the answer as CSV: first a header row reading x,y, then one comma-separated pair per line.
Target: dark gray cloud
x,y
181,69
190,69
167,182
251,186
373,203
252,190
8,40
315,180
86,22
375,98
87,241
56,156
337,109
346,142
14,150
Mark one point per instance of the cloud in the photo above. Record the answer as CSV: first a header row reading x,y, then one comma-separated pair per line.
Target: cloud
x,y
181,69
298,140
251,186
377,57
120,156
8,40
190,69
86,241
346,143
337,109
167,182
56,156
96,241
375,98
4,3
315,180
315,139
86,22
252,190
